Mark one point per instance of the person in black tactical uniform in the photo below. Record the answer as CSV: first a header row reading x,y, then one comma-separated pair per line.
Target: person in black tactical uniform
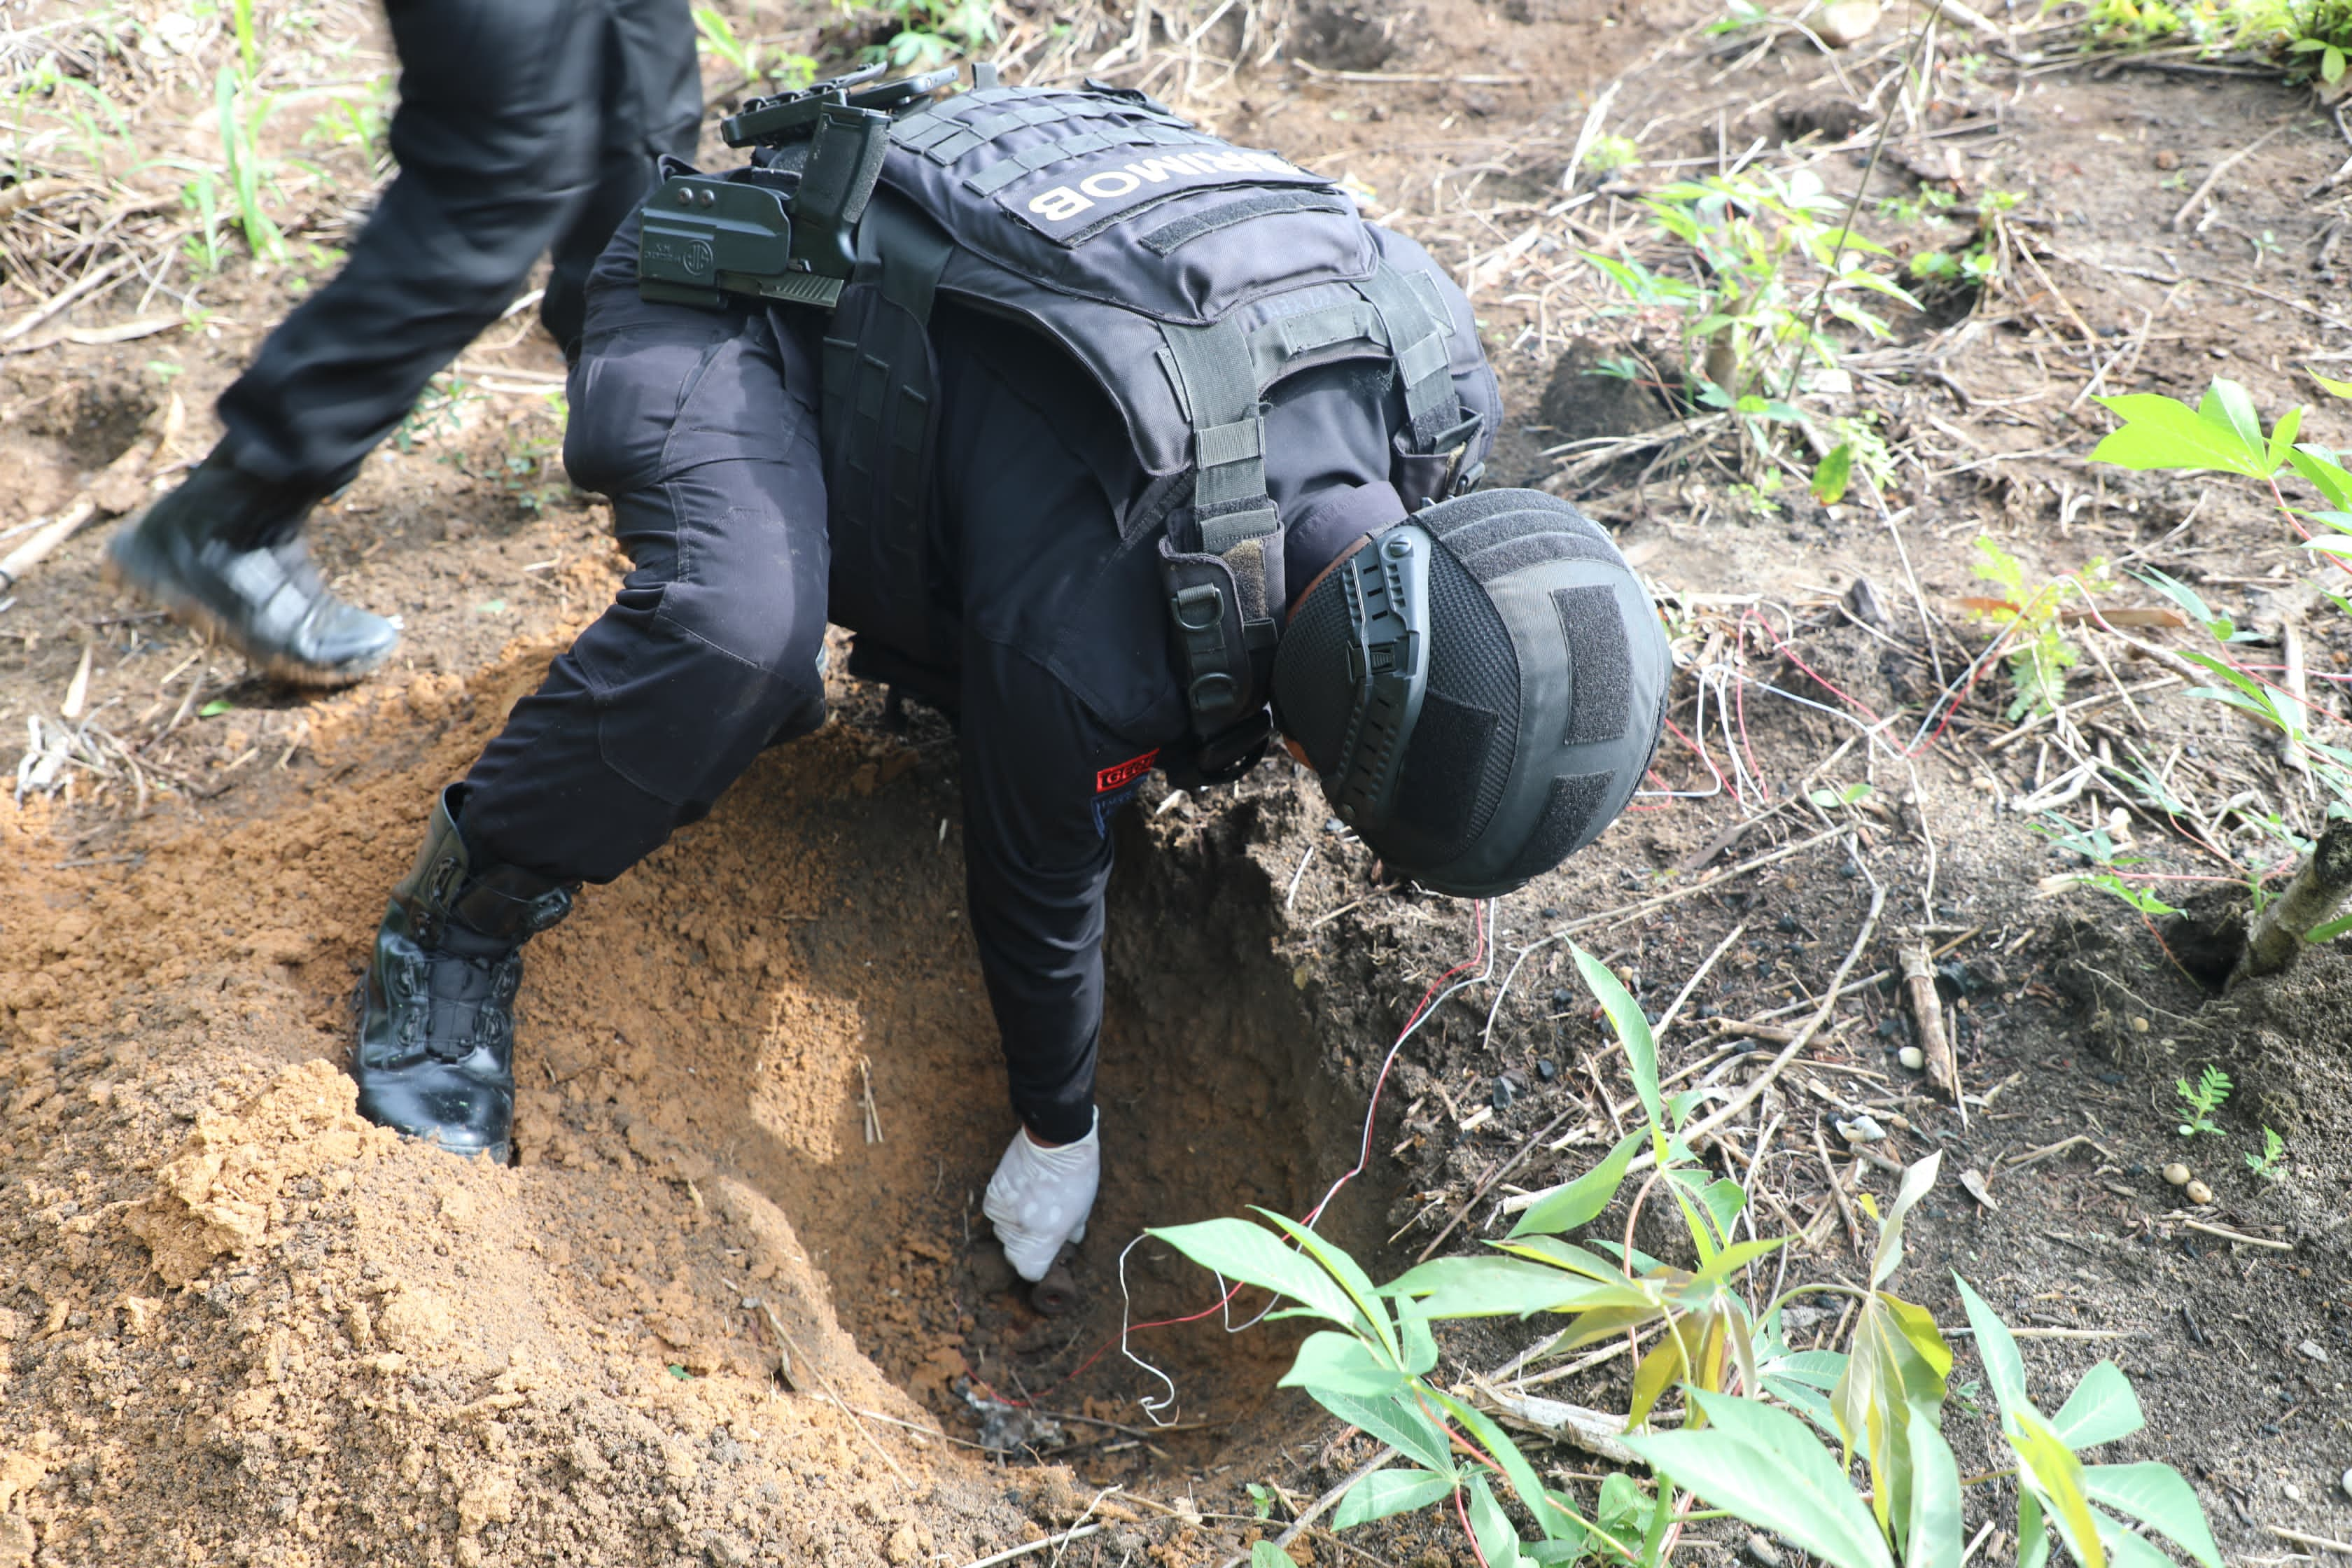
x,y
1119,445
522,126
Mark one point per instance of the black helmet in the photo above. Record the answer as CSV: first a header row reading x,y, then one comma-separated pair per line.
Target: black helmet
x,y
1481,688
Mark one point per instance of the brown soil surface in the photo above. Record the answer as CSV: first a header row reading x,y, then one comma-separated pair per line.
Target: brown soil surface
x,y
237,1325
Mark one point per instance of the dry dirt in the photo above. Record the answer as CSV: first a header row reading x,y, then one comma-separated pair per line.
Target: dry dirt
x,y
237,1325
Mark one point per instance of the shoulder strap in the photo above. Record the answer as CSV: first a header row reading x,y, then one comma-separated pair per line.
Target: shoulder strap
x,y
1223,579
879,399
1417,333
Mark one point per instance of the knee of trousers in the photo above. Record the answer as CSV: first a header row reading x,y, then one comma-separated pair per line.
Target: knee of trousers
x,y
679,717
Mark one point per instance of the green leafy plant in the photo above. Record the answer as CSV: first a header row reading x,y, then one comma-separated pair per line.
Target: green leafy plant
x,y
1753,1412
786,71
2040,654
1611,152
2224,433
1748,316
2314,36
241,110
2211,1093
2266,1163
2097,846
928,31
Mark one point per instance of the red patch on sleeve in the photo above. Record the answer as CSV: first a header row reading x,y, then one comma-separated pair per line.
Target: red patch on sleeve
x,y
1121,775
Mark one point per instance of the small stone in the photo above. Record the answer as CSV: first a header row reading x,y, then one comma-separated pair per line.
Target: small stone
x,y
1846,22
2167,159
2198,1192
902,1547
2344,1483
2292,1492
1913,1058
1546,1069
2177,1174
2312,1350
1504,1094
2140,1025
1863,1129
1763,1553
1560,996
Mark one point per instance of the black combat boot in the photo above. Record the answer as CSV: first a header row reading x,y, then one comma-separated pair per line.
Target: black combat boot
x,y
435,1053
223,554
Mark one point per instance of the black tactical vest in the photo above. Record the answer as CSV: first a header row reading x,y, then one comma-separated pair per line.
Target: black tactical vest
x,y
1186,275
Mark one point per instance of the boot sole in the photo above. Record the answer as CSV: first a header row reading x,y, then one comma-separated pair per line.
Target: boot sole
x,y
194,614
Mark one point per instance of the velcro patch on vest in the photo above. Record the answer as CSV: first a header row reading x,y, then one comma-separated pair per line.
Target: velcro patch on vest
x,y
1065,202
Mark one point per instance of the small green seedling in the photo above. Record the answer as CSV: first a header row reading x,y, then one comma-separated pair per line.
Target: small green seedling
x,y
2267,1163
1261,1500
1853,794
2211,1092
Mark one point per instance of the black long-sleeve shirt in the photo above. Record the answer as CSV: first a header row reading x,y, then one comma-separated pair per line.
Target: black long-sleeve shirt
x,y
1068,692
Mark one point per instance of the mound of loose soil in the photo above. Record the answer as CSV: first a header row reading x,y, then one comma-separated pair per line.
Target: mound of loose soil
x,y
241,1324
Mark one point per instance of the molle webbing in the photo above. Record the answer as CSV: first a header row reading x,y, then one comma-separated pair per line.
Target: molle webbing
x,y
879,409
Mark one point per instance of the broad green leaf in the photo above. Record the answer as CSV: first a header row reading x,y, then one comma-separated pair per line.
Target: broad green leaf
x,y
1739,1254
1566,1254
1806,1401
1514,1465
1347,1271
2051,1469
2102,1409
2159,1497
1761,1465
1384,1492
1833,473
2160,432
1508,1287
2282,437
1396,1419
1885,1373
1915,1182
1417,1347
1603,1323
2318,466
1814,1369
1695,1221
1498,1543
1933,1536
1918,1326
1250,1254
2329,932
1997,1348
1266,1555
1723,1199
2033,1534
2125,1549
1633,1033
1566,1207
1661,1369
2227,403
1342,1363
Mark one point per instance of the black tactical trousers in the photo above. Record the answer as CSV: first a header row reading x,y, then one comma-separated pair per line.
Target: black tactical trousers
x,y
702,428
522,125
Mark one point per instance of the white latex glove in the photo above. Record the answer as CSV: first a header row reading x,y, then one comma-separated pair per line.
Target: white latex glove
x,y
1039,1198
